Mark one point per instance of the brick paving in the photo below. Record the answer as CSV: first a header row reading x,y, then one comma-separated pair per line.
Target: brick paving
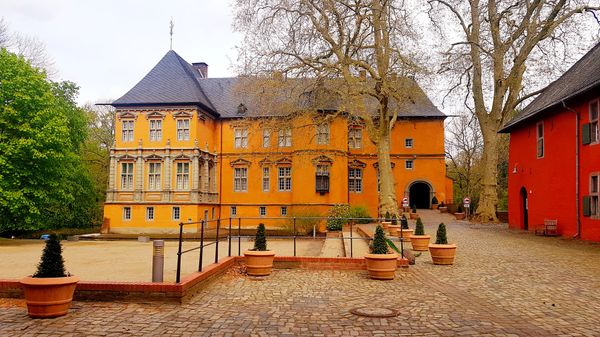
x,y
504,283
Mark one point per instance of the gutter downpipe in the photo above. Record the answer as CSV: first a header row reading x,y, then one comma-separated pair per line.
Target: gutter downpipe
x,y
578,219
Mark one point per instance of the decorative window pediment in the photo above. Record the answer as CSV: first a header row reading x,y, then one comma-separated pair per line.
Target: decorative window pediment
x,y
155,115
357,164
125,157
265,162
240,162
127,115
153,157
283,161
322,160
182,156
182,114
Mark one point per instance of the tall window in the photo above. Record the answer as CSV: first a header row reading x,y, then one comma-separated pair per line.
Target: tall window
x,y
155,130
241,138
540,139
240,179
183,129
355,180
322,178
408,143
127,176
126,213
127,130
355,138
154,176
594,129
266,140
285,137
322,133
594,192
149,213
285,179
409,164
266,179
176,213
183,176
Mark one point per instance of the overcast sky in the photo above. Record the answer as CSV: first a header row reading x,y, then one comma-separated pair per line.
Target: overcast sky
x,y
107,46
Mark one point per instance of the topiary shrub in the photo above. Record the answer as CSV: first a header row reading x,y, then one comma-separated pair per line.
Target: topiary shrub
x,y
394,220
336,217
387,216
379,245
419,228
441,237
434,200
260,241
51,263
414,209
404,222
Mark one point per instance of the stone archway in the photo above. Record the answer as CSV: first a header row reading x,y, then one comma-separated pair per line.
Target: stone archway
x,y
420,194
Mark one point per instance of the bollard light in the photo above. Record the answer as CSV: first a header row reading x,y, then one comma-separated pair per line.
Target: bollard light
x,y
158,260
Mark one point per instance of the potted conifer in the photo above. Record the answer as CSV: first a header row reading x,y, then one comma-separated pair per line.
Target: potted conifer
x,y
442,208
434,203
442,252
49,292
380,263
413,214
419,240
460,213
387,221
259,261
394,227
405,232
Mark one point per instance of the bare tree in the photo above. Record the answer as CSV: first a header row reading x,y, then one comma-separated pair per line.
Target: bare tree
x,y
355,50
31,48
503,43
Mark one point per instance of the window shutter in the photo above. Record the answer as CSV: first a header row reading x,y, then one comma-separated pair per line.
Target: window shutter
x,y
587,209
586,134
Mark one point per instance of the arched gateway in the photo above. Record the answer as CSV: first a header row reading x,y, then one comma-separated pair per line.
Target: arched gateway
x,y
420,194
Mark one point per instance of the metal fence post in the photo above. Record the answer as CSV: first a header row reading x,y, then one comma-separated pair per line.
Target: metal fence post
x,y
294,236
351,240
217,241
239,236
178,275
201,245
229,239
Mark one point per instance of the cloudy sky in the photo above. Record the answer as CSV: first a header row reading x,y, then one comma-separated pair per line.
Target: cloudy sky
x,y
107,46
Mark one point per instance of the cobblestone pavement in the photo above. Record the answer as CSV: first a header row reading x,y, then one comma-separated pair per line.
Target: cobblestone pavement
x,y
504,283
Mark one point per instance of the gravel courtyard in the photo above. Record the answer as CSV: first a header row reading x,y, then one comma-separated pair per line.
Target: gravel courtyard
x,y
504,283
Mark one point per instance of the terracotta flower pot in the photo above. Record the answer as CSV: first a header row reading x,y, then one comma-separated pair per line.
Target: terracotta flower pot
x,y
48,297
442,254
394,230
259,263
420,242
414,216
459,216
382,266
406,234
434,206
385,224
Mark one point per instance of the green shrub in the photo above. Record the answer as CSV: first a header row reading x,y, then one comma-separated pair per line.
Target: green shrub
x,y
394,220
404,222
414,209
379,245
419,228
387,216
336,215
304,226
434,200
360,212
441,237
51,263
260,241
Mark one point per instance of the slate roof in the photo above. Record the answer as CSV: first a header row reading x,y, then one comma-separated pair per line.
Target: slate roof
x,y
175,81
583,76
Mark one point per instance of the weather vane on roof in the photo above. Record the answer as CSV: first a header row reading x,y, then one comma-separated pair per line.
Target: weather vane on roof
x,y
171,25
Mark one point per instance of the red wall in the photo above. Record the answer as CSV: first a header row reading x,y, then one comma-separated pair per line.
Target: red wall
x,y
550,181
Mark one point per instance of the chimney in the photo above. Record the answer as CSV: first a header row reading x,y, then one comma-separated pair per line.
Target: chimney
x,y
202,68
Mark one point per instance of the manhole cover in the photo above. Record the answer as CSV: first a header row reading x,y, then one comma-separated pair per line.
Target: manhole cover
x,y
375,312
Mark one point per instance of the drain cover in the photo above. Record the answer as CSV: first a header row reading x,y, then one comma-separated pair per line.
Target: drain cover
x,y
375,312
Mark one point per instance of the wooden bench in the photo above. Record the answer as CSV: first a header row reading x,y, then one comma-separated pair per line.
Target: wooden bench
x,y
549,228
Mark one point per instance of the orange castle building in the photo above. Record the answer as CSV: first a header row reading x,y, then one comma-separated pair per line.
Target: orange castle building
x,y
188,147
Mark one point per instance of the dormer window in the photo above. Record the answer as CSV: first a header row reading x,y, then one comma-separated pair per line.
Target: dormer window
x,y
241,109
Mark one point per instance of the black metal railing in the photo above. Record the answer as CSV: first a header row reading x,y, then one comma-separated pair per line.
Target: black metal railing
x,y
203,224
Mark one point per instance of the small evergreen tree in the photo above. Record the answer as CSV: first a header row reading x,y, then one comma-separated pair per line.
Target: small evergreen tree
x,y
434,200
404,222
419,229
51,263
441,235
379,245
414,209
260,241
387,216
394,219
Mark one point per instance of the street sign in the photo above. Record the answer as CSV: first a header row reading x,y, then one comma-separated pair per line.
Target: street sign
x,y
467,202
405,202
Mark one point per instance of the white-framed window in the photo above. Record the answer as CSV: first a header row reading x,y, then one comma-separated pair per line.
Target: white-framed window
x,y
262,211
183,129
285,137
154,176
409,164
283,211
127,130
355,138
594,117
240,138
266,138
149,213
155,130
233,211
126,213
266,179
408,143
539,127
322,179
183,176
355,180
127,176
176,213
240,179
322,134
594,195
285,179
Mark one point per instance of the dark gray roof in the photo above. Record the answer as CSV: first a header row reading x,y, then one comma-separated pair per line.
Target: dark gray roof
x,y
583,76
171,81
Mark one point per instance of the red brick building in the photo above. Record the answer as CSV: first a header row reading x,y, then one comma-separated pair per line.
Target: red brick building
x,y
554,158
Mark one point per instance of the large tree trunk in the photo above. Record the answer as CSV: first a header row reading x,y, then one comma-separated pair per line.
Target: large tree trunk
x,y
488,199
387,185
